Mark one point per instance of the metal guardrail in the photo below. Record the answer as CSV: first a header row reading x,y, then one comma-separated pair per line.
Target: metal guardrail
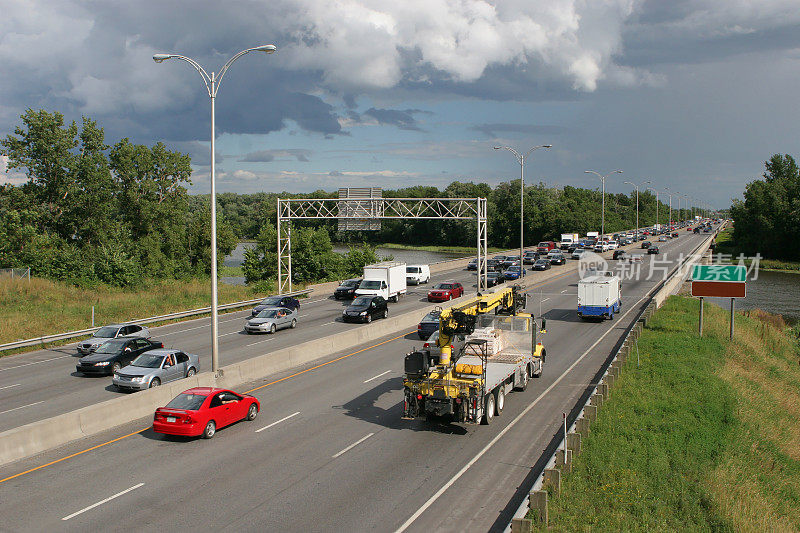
x,y
149,320
535,479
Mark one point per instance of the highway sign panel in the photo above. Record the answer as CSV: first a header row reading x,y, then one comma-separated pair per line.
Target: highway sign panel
x,y
723,273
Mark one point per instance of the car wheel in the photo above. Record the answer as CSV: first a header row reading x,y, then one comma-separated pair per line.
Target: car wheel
x,y
488,411
116,367
191,372
368,318
252,412
273,328
385,313
155,383
210,430
294,323
501,399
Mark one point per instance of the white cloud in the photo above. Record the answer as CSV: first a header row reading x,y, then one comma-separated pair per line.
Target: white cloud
x,y
10,177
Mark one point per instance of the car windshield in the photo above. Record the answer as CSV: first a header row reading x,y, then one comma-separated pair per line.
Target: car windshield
x,y
147,360
364,300
267,313
413,270
370,284
106,332
110,346
350,283
513,269
433,316
272,300
189,402
578,251
543,244
541,262
444,286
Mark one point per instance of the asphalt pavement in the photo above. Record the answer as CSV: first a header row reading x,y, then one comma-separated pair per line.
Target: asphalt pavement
x,y
328,450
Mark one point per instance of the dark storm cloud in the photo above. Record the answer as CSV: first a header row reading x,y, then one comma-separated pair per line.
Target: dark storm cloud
x,y
267,156
402,118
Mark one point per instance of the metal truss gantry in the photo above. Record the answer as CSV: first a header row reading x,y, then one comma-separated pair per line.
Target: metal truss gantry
x,y
377,208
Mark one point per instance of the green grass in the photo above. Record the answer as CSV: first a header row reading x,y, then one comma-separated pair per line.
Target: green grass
x,y
725,245
703,436
231,271
41,307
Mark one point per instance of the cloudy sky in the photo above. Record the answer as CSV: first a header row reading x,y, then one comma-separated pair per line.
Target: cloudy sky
x,y
691,94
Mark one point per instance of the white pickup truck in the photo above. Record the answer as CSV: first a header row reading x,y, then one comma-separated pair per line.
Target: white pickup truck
x,y
387,279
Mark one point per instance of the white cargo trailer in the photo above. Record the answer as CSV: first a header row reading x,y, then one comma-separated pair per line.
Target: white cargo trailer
x,y
599,296
387,279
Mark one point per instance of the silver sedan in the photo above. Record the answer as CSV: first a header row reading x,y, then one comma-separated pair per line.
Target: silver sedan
x,y
155,367
271,319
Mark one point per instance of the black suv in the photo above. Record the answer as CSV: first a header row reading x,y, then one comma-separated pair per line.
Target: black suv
x,y
114,354
365,308
347,289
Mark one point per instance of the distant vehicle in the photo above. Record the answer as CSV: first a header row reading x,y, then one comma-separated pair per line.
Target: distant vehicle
x,y
653,250
530,257
593,235
155,367
365,308
447,290
620,254
568,239
578,253
513,272
386,279
271,319
416,274
428,324
542,264
109,332
202,411
500,258
601,246
613,245
494,278
276,301
697,230
545,246
646,245
675,235
347,289
599,296
112,355
663,238
493,265
473,264
556,258
510,261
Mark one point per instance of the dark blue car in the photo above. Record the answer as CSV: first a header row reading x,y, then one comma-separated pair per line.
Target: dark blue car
x,y
428,324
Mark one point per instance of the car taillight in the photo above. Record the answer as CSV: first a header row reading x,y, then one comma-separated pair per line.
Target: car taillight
x,y
419,326
419,396
188,420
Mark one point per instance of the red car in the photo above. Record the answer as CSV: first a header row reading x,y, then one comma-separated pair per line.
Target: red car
x,y
203,410
441,292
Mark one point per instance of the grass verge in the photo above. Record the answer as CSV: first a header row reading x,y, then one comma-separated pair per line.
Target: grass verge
x,y
42,307
703,436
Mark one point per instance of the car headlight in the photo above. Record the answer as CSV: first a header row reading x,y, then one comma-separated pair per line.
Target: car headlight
x,y
102,363
363,313
138,379
344,312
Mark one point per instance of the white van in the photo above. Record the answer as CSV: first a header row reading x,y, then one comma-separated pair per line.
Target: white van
x,y
416,274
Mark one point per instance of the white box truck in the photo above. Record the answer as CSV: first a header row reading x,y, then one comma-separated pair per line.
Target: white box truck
x,y
568,239
387,279
599,296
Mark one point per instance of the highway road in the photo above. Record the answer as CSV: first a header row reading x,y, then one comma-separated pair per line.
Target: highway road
x,y
329,450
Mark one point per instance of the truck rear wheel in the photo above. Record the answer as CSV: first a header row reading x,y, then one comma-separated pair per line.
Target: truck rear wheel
x,y
501,399
488,410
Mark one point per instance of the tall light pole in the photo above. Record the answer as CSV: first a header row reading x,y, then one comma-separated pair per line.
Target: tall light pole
x,y
655,191
637,202
666,191
686,197
521,161
603,205
212,86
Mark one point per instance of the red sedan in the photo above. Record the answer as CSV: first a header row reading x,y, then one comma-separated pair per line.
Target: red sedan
x,y
441,292
202,410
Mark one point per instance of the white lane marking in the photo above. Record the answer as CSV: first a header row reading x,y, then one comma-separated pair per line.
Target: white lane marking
x,y
356,443
9,386
101,502
259,342
34,363
546,299
278,422
565,290
20,407
492,442
376,377
231,333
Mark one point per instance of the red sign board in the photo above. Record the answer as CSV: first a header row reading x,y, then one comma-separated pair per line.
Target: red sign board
x,y
720,289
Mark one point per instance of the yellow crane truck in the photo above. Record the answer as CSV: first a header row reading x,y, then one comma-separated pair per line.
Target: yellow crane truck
x,y
488,347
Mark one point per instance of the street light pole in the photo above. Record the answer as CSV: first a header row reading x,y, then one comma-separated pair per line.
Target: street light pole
x,y
666,190
603,203
655,191
521,161
212,86
637,202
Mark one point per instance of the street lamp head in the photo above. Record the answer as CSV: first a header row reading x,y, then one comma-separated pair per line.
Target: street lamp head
x,y
159,58
547,146
497,147
266,48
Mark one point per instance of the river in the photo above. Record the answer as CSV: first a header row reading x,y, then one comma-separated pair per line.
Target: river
x,y
411,257
775,292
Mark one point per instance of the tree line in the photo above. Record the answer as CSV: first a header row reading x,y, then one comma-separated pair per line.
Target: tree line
x,y
768,218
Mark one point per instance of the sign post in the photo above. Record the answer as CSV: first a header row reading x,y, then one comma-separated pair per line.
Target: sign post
x,y
722,281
